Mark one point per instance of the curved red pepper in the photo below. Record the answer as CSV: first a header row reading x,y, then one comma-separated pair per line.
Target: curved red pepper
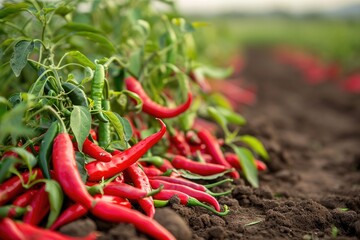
x,y
152,108
35,233
24,199
76,210
141,181
199,195
9,231
66,171
204,169
124,190
181,181
152,171
98,170
213,148
13,186
39,207
179,142
96,151
114,213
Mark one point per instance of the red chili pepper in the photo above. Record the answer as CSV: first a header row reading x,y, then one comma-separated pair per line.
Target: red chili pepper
x,y
39,207
76,210
35,233
66,171
96,151
115,152
199,195
186,200
196,186
98,170
126,191
113,213
93,134
152,108
178,141
233,159
23,200
205,169
13,186
141,181
9,231
152,171
213,147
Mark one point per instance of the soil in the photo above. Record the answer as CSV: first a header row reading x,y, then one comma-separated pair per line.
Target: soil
x,y
311,189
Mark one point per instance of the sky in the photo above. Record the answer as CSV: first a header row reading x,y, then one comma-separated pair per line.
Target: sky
x,y
255,6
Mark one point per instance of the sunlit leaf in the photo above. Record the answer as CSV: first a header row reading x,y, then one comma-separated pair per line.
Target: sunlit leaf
x,y
80,163
12,8
19,58
247,164
12,124
116,123
80,123
81,58
56,199
255,145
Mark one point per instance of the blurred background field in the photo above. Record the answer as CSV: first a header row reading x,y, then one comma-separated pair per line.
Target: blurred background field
x,y
328,29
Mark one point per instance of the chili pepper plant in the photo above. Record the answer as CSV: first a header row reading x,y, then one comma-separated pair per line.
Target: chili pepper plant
x,y
100,113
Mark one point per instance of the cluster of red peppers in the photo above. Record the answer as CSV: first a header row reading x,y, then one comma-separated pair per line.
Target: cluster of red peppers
x,y
117,180
316,71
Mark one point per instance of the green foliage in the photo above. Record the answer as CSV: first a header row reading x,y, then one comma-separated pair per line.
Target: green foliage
x,y
47,45
80,123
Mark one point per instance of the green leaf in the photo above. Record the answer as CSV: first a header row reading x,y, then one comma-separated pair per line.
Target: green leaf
x,y
5,166
231,116
27,157
216,73
116,123
64,10
12,124
80,124
248,165
98,39
80,163
19,58
37,88
127,128
12,8
135,62
56,199
219,100
4,104
81,58
15,99
135,97
256,145
215,115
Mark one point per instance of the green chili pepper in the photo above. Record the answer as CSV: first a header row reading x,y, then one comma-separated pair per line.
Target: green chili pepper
x,y
97,87
76,94
104,128
46,148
